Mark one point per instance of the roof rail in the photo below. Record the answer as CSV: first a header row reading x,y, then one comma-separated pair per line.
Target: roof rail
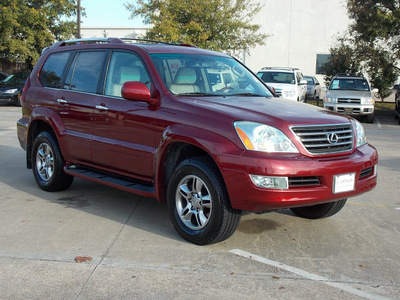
x,y
111,40
347,75
280,68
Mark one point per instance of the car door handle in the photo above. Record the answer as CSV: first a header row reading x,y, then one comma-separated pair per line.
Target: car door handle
x,y
62,101
101,107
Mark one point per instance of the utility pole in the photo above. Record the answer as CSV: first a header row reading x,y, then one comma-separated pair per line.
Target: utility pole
x,y
79,19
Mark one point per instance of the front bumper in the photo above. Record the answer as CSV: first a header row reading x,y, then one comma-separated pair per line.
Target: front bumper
x,y
244,195
348,109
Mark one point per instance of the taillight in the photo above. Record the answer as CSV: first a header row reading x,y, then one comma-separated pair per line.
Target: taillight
x,y
24,89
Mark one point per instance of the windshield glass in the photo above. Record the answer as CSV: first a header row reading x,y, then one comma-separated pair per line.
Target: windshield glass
x,y
277,77
207,75
349,84
18,78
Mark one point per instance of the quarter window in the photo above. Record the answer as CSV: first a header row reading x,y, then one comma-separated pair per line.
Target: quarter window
x,y
53,69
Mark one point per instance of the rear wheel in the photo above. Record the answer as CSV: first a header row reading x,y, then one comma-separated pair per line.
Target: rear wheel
x,y
198,203
48,163
319,211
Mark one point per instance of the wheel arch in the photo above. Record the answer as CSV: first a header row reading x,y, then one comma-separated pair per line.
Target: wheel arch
x,y
177,146
42,119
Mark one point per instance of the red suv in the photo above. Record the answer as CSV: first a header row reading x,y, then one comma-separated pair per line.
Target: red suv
x,y
193,128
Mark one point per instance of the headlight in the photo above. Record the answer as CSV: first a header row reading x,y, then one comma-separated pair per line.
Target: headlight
x,y
10,91
360,135
367,100
329,100
288,94
260,137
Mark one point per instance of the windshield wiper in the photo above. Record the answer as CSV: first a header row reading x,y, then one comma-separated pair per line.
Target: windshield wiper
x,y
247,94
199,94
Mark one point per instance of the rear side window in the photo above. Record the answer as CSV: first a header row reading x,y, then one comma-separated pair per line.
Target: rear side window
x,y
52,72
85,72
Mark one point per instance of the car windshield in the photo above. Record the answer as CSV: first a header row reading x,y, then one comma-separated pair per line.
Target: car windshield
x,y
207,75
349,84
18,78
277,77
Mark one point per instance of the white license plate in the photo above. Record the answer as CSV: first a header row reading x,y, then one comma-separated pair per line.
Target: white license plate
x,y
344,183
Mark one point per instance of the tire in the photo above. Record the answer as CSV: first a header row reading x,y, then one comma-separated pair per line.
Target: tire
x,y
370,118
198,203
319,211
48,163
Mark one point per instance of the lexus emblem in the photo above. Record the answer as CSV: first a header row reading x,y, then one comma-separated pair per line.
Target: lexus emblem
x,y
332,138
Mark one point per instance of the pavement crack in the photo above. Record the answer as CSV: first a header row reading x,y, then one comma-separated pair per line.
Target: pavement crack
x,y
108,249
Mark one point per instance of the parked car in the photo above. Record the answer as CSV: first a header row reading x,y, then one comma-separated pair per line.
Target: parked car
x,y
313,87
288,83
11,87
397,102
3,76
351,95
154,120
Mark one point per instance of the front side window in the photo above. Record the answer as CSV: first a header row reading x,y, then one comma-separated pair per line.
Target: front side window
x,y
85,72
124,67
53,69
206,75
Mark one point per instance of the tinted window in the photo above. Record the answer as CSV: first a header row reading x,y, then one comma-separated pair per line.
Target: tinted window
x,y
124,67
53,69
85,72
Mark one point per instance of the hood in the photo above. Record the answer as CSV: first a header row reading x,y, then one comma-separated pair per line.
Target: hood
x,y
282,86
7,86
348,94
277,112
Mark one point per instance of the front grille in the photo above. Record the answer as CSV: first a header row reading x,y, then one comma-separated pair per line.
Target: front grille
x,y
303,181
349,100
325,139
366,173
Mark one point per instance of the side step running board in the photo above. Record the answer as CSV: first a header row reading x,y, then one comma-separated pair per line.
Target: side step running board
x,y
122,184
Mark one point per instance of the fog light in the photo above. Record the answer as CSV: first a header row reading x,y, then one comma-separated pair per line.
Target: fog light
x,y
270,182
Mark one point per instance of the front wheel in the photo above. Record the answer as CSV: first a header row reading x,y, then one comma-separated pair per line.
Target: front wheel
x,y
48,163
198,203
319,211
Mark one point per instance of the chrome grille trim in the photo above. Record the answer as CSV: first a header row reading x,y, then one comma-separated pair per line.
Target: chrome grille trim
x,y
315,138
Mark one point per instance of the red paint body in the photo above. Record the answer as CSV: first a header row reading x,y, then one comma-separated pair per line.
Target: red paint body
x,y
134,139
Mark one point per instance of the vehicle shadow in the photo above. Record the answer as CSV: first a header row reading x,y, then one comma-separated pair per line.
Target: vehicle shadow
x,y
143,213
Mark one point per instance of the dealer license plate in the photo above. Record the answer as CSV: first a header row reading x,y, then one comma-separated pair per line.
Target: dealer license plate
x,y
344,183
348,110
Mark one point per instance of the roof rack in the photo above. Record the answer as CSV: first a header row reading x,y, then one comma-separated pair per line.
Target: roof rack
x,y
347,75
280,68
111,40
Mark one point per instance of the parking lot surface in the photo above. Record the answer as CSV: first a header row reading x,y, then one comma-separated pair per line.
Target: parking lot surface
x,y
95,242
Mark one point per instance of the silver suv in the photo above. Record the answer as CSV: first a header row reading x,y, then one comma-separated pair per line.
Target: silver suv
x,y
288,83
351,95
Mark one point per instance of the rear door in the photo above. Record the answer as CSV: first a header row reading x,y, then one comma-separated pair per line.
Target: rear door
x,y
75,103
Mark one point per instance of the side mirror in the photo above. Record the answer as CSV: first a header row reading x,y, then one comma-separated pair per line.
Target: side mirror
x,y
303,82
317,83
137,91
375,90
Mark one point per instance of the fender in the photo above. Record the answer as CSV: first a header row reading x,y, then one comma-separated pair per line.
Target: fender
x,y
215,145
51,118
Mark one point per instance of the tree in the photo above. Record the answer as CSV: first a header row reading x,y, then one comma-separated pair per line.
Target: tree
x,y
375,33
343,59
220,25
353,57
26,27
